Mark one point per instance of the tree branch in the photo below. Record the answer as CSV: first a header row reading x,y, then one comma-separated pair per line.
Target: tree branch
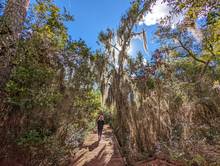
x,y
190,52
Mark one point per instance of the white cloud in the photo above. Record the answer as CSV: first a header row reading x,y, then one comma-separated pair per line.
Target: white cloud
x,y
159,10
134,46
131,49
144,61
196,33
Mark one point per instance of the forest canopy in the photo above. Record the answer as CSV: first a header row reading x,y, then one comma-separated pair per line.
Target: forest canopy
x,y
157,101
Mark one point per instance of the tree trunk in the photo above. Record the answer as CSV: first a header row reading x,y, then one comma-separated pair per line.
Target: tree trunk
x,y
10,29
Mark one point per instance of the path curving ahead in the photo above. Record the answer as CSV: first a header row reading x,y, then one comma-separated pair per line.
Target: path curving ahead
x,y
99,153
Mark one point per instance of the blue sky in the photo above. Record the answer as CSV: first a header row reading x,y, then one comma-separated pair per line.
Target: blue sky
x,y
93,16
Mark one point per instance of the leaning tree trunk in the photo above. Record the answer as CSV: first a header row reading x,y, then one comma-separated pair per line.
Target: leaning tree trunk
x,y
10,29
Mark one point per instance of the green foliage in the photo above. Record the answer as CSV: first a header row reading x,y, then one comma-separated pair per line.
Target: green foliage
x,y
177,132
199,160
180,75
54,80
87,103
32,82
27,87
52,85
49,22
150,83
107,114
32,138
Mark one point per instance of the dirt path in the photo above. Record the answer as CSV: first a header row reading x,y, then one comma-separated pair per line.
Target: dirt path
x,y
95,153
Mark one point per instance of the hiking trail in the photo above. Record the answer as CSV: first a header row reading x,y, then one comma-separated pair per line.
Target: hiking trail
x,y
99,153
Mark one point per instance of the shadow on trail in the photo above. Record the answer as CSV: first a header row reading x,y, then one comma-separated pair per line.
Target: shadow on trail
x,y
99,153
98,160
77,159
93,146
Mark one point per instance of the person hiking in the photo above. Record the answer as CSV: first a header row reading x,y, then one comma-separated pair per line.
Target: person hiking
x,y
100,124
